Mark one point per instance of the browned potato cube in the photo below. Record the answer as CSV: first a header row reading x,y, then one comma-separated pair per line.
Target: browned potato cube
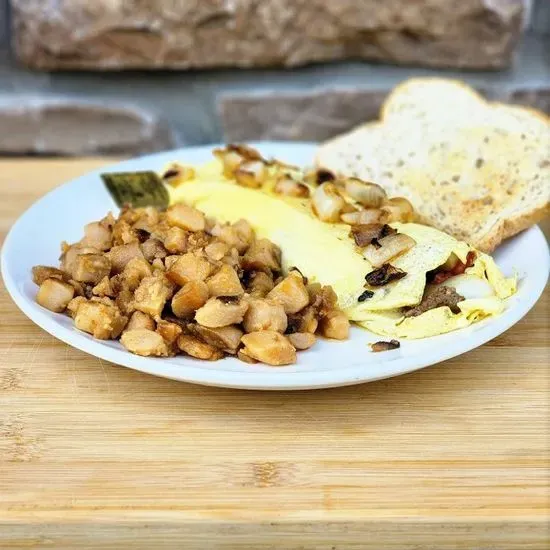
x,y
245,357
260,284
264,315
124,233
185,217
98,235
71,253
302,340
153,249
225,338
103,288
176,240
125,301
196,348
269,347
42,272
291,293
335,325
55,295
216,251
304,321
189,267
91,268
100,320
218,313
262,255
121,255
134,271
225,282
189,298
144,342
140,320
169,331
151,295
72,306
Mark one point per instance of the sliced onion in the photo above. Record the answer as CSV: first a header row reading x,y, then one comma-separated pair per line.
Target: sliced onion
x,y
251,174
399,209
470,286
367,193
327,202
291,188
231,160
363,217
390,246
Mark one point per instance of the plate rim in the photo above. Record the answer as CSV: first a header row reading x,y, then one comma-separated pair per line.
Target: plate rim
x,y
278,380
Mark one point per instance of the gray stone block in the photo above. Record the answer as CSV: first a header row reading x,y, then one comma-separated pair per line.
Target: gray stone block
x,y
321,115
184,34
72,127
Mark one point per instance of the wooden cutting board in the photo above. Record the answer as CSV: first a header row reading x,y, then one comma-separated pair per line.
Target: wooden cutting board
x,y
96,456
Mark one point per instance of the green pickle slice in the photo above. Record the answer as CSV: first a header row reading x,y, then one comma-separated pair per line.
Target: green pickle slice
x,y
136,189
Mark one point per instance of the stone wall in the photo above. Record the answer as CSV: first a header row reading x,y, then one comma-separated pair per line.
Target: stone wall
x,y
109,112
183,34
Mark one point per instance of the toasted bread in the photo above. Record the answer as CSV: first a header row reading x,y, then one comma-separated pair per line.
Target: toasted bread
x,y
477,170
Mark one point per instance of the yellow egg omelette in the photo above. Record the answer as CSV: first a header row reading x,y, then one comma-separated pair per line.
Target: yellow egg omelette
x,y
326,253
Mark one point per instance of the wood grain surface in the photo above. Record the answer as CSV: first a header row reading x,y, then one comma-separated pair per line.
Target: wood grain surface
x,y
97,456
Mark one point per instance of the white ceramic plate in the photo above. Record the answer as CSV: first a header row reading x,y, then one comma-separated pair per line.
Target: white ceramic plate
x,y
61,215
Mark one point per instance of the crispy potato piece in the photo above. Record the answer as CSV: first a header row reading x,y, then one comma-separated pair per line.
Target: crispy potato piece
x,y
125,301
217,313
225,338
54,295
42,272
90,268
124,233
72,306
185,217
189,298
169,331
135,271
225,282
153,249
176,240
302,340
121,255
262,255
141,320
189,267
152,294
291,293
216,251
245,357
265,315
335,325
304,321
260,284
269,347
196,348
104,288
71,253
98,235
158,265
101,320
322,298
144,342
238,235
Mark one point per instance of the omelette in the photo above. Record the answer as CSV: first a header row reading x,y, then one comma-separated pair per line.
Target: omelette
x,y
325,252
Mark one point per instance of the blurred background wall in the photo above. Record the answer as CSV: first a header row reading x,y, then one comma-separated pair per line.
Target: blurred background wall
x,y
131,76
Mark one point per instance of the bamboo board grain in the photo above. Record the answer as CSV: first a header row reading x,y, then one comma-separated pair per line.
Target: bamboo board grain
x,y
93,455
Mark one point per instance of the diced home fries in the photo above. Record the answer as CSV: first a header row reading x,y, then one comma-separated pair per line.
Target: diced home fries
x,y
174,282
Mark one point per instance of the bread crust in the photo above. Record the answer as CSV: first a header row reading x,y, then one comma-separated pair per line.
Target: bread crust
x,y
488,236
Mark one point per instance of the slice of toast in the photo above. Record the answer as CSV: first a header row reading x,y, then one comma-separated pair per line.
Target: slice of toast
x,y
477,170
